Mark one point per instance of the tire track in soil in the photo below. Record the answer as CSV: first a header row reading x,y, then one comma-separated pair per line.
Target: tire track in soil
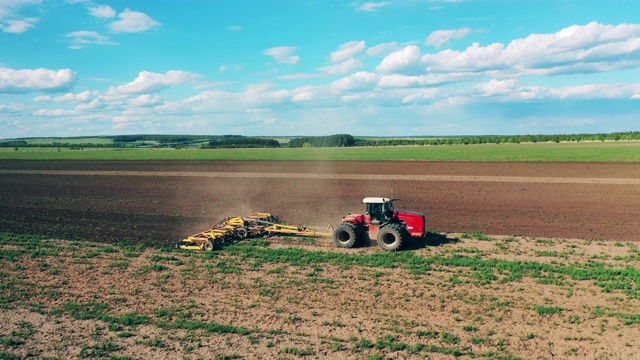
x,y
506,179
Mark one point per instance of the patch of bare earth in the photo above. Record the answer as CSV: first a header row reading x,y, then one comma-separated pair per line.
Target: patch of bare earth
x,y
462,295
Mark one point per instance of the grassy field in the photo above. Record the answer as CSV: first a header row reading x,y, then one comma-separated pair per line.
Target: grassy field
x,y
466,296
627,151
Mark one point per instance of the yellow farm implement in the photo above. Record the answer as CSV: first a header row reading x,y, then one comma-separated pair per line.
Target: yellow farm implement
x,y
238,228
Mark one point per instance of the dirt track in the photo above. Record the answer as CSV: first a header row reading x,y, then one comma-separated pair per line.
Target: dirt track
x,y
163,201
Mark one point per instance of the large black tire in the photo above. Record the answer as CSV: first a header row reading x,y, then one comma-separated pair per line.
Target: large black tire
x,y
391,236
346,235
242,233
208,246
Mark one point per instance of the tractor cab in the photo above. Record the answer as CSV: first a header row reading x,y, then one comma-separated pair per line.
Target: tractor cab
x,y
378,209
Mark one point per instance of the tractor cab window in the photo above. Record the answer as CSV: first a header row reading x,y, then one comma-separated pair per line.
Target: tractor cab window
x,y
388,207
375,211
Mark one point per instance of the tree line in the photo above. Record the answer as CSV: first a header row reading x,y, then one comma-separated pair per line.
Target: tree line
x,y
338,140
242,142
501,139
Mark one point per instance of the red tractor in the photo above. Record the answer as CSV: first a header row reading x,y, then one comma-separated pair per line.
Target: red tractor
x,y
380,222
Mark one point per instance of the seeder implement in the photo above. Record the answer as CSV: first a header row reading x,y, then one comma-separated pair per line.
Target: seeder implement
x,y
238,228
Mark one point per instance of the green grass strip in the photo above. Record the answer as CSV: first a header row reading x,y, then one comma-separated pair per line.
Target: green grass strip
x,y
583,151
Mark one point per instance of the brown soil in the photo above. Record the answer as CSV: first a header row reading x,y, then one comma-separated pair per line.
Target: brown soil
x,y
160,202
323,310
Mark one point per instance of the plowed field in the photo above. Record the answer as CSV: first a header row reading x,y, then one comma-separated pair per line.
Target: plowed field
x,y
490,295
159,202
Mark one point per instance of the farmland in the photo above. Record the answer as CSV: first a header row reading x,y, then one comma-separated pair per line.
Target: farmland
x,y
623,151
524,259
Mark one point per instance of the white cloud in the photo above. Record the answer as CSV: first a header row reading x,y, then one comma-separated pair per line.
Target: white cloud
x,y
10,19
81,38
400,60
498,87
347,51
95,104
18,26
11,109
382,49
442,37
596,91
133,21
154,82
576,49
255,96
54,112
102,11
370,6
145,100
359,81
282,54
344,67
68,97
28,80
235,28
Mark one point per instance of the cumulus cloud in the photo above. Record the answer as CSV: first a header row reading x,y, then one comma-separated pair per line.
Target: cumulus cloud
x,y
94,104
382,49
498,87
66,98
145,100
344,67
362,80
255,96
576,49
28,80
439,38
370,6
102,11
282,54
400,60
81,38
132,22
154,82
347,50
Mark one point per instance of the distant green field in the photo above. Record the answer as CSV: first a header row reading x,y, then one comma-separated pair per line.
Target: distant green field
x,y
74,141
623,151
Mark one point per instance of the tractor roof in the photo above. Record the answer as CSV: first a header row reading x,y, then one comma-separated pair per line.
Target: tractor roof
x,y
375,200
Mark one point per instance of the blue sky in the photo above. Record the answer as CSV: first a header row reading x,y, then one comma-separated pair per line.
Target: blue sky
x,y
318,67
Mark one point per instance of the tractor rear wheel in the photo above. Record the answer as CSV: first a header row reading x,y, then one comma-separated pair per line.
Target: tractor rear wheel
x,y
391,236
346,235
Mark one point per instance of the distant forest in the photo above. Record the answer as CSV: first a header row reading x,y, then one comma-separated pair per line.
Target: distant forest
x,y
338,140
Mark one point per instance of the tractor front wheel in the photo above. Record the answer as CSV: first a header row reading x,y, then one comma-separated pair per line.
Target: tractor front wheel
x,y
345,235
391,236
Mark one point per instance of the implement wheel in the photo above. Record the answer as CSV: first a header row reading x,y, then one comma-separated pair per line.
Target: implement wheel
x,y
208,246
346,235
242,233
391,236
